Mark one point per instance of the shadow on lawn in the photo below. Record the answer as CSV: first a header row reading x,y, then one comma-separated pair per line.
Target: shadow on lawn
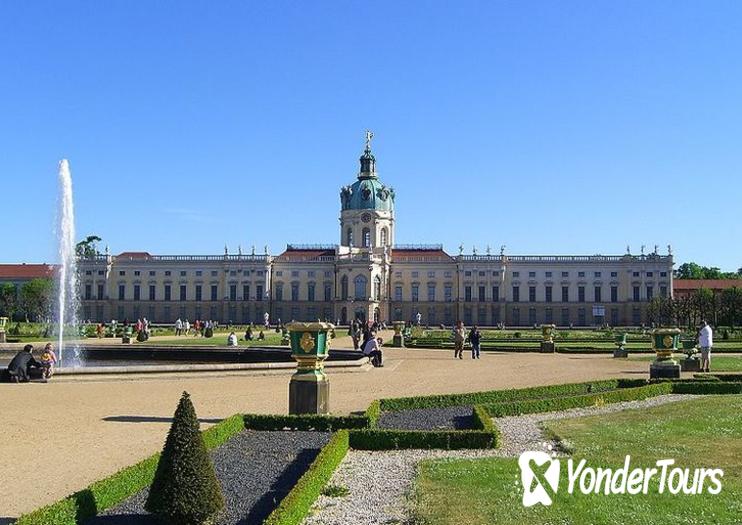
x,y
152,419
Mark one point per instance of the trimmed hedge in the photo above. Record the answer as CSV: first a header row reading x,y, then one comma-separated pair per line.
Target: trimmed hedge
x,y
530,406
377,439
373,413
721,376
493,396
112,490
295,506
315,422
707,387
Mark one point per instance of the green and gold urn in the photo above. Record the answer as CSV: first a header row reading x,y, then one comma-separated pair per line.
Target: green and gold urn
x,y
664,343
309,389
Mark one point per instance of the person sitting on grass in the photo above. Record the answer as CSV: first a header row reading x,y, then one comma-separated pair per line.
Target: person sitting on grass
x,y
232,339
261,336
21,365
48,360
248,334
372,350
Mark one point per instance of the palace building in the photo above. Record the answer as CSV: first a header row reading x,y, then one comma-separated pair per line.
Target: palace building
x,y
367,276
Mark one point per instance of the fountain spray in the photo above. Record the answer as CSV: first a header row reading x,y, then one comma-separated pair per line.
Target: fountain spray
x,y
68,300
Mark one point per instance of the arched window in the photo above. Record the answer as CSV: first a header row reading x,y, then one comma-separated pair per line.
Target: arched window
x,y
349,236
360,287
384,236
344,287
366,238
377,288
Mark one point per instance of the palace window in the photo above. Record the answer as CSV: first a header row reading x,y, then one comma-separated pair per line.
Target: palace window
x,y
122,292
431,292
294,291
167,292
101,294
259,292
349,236
448,293
360,287
310,293
398,293
152,292
614,274
565,274
415,292
88,291
650,292
384,236
279,292
598,294
481,294
636,294
547,295
614,294
531,274
328,292
377,288
565,294
580,274
581,294
516,274
199,292
366,238
245,292
495,294
467,294
597,274
431,275
516,294
344,287
214,293
182,292
233,293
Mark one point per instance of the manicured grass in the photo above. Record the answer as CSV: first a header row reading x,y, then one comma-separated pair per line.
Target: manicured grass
x,y
724,363
704,432
219,339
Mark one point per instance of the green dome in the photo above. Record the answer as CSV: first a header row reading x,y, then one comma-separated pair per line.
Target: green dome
x,y
368,192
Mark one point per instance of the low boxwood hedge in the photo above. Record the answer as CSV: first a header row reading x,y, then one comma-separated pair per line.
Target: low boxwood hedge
x,y
323,423
530,406
722,376
294,507
373,413
707,387
387,439
112,490
493,396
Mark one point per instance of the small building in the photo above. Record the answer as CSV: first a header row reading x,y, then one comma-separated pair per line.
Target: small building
x,y
686,287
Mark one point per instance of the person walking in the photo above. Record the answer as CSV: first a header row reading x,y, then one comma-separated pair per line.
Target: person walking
x,y
705,342
474,337
459,336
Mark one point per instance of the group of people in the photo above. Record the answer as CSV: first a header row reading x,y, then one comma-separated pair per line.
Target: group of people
x,y
198,327
24,364
364,338
461,337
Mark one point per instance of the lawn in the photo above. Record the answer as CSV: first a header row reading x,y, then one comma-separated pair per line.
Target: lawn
x,y
219,339
705,432
723,363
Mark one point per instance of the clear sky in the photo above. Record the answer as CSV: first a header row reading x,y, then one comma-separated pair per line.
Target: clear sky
x,y
551,127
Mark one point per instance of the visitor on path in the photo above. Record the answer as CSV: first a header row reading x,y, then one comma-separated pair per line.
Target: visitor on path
x,y
372,350
355,333
186,327
705,342
99,330
178,327
459,336
232,339
266,320
48,359
20,366
474,338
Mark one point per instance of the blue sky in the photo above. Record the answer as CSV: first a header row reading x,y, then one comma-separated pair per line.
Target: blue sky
x,y
550,127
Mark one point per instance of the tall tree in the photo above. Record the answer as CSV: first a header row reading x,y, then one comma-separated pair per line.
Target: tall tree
x,y
36,298
8,300
88,248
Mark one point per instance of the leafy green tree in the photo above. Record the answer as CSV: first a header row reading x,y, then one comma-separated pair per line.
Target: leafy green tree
x,y
8,300
185,490
731,306
36,298
87,248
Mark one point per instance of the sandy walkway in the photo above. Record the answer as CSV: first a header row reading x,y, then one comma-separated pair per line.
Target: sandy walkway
x,y
87,430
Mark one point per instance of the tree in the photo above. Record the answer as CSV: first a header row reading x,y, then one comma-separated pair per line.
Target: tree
x,y
8,300
692,270
36,298
185,489
87,248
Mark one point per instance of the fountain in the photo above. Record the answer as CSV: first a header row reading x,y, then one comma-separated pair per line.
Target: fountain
x,y
68,299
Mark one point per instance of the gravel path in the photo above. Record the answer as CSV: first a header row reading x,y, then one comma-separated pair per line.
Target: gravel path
x,y
451,418
379,482
255,469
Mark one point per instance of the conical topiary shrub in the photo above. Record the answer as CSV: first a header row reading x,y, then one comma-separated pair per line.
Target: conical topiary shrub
x,y
185,489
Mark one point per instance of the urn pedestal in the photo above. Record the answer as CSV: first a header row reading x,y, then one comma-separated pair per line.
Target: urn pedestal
x,y
664,343
309,388
547,339
398,339
620,342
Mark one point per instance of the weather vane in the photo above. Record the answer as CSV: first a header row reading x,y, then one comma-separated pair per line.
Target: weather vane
x,y
369,136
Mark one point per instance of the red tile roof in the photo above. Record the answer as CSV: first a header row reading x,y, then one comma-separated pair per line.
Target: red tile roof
x,y
305,255
134,255
26,271
711,284
404,254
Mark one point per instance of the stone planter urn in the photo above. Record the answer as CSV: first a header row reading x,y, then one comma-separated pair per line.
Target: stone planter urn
x,y
398,339
547,339
3,324
309,389
691,363
664,343
620,341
